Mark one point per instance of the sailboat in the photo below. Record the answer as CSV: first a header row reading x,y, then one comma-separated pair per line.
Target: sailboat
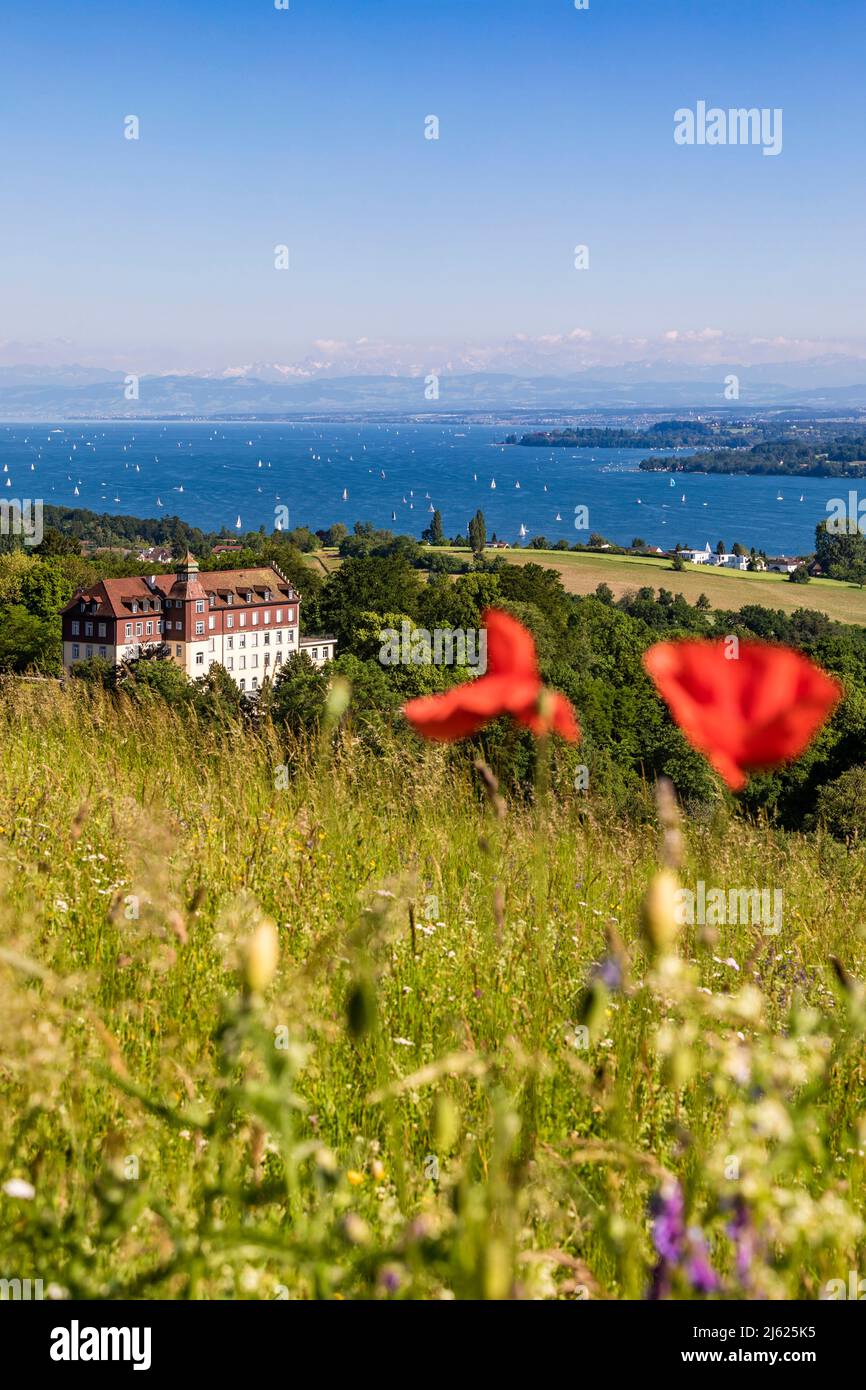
x,y
75,492
683,498
779,497
159,501
345,494
802,499
393,516
558,517
673,482
493,482
517,485
238,522
522,530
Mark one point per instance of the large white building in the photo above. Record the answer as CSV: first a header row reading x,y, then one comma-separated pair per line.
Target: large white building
x,y
709,557
247,621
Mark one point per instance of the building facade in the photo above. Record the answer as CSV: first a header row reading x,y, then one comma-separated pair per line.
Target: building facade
x,y
247,621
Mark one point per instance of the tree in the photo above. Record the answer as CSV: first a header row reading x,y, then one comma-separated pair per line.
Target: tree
x,y
737,549
678,563
720,548
702,603
638,544
54,542
478,533
433,534
300,691
800,575
28,641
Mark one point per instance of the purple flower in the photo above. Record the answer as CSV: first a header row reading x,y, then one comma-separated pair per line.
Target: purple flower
x,y
669,1229
677,1247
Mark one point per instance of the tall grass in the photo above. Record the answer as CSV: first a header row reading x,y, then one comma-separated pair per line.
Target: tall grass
x,y
436,1096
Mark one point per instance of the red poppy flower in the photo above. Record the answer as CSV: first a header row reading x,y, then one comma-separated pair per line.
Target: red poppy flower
x,y
511,685
755,709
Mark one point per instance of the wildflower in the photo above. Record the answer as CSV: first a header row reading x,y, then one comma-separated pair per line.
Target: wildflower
x,y
354,1177
678,1247
261,957
660,910
20,1189
756,710
512,685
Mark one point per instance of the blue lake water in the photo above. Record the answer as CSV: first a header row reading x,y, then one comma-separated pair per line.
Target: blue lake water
x,y
228,471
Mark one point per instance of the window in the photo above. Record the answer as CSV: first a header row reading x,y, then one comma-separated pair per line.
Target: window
x,y
255,683
199,605
75,651
279,637
88,651
291,634
230,620
291,617
128,631
138,629
314,653
266,616
255,661
230,598
324,653
75,627
211,600
230,663
199,658
230,642
178,625
148,628
242,663
145,605
243,620
267,639
103,653
212,646
242,641
199,629
255,620
88,629
242,683
211,624
267,658
177,651
100,629
278,616
159,624
267,595
278,658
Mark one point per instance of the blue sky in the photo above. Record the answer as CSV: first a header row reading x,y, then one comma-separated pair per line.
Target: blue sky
x,y
306,127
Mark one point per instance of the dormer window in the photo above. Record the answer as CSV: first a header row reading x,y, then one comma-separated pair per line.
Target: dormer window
x,y
249,595
135,605
267,595
230,598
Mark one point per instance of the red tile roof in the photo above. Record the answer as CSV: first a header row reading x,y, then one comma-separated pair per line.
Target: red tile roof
x,y
114,597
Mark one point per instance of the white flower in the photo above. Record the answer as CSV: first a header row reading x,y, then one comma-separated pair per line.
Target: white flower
x,y
19,1188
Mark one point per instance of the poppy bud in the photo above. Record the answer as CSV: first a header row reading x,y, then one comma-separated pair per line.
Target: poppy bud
x,y
262,957
660,911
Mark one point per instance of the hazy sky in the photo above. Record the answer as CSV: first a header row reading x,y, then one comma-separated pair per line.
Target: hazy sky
x,y
305,127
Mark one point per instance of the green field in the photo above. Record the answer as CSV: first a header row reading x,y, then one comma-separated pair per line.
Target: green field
x,y
582,573
430,1098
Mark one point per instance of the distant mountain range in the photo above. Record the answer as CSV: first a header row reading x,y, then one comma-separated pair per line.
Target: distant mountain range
x,y
266,389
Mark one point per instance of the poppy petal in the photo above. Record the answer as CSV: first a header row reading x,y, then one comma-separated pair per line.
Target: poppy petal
x,y
510,648
754,706
464,709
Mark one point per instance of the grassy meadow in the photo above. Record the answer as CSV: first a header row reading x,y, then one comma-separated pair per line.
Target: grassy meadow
x,y
471,1073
